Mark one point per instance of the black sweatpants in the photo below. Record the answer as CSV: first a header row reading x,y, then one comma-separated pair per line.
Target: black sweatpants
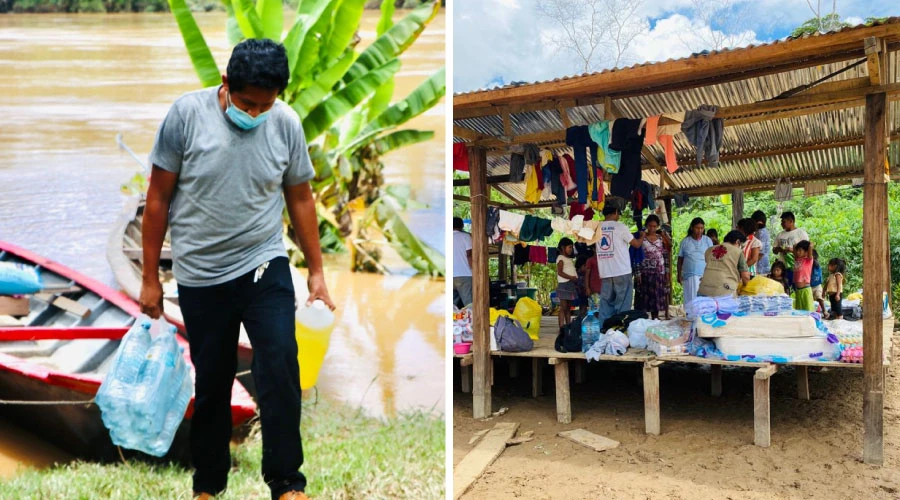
x,y
212,317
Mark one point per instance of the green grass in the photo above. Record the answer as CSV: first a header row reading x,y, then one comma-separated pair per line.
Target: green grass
x,y
347,455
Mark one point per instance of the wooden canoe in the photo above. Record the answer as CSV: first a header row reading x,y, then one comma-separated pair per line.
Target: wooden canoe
x,y
61,351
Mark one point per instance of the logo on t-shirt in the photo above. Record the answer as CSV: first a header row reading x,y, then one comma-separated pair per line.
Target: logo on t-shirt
x,y
605,247
719,252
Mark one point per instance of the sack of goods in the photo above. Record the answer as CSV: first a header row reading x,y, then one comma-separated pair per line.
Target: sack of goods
x,y
510,336
462,325
528,311
669,338
147,389
18,279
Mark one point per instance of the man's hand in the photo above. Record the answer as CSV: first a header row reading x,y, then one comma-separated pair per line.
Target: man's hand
x,y
318,290
152,298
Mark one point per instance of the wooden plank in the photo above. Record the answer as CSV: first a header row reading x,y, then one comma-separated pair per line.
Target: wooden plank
x,y
466,360
564,117
803,382
465,378
737,207
73,307
481,346
873,60
874,280
507,126
563,399
715,372
494,179
593,441
537,379
761,416
470,468
651,398
467,134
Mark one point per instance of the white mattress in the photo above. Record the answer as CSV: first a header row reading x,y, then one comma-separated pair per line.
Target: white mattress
x,y
768,327
794,348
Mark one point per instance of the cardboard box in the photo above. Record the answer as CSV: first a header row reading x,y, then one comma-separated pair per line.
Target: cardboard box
x,y
14,306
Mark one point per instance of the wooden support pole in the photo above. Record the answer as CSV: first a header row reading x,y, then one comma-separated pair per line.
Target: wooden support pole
x,y
803,382
737,208
761,415
481,347
874,56
651,397
502,267
465,378
715,372
579,372
563,398
875,253
537,380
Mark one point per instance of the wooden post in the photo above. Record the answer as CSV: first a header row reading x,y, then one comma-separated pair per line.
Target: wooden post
x,y
715,372
651,397
737,209
579,373
537,379
874,280
563,399
502,267
465,378
803,382
761,421
481,347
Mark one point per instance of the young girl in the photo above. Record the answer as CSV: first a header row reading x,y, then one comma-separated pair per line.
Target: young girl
x,y
566,278
834,287
815,282
803,263
779,273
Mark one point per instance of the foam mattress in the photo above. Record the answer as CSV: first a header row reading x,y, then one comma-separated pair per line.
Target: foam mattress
x,y
769,348
767,327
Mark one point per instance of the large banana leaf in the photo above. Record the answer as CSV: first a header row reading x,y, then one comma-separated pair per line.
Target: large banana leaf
x,y
394,41
346,21
232,30
271,15
401,138
382,98
384,211
424,97
248,19
387,17
323,116
308,63
204,63
313,95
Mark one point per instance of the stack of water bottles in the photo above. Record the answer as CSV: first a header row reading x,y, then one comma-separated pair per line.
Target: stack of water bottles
x,y
591,329
147,389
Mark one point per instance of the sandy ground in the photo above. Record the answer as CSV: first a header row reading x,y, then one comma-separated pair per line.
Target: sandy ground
x,y
705,450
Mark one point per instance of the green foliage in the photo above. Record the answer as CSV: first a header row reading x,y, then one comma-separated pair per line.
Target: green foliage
x,y
343,99
823,24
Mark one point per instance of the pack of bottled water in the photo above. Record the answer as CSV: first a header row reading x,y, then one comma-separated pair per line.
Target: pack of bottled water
x,y
765,305
147,389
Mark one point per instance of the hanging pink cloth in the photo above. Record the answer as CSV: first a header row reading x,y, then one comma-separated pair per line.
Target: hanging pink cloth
x,y
460,157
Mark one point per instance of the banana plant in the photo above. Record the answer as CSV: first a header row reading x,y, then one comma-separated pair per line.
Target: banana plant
x,y
343,97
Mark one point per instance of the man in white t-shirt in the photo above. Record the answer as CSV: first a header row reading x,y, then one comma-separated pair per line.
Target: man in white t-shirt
x,y
785,241
614,264
462,262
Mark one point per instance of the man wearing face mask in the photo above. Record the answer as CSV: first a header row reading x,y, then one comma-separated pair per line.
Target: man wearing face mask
x,y
226,161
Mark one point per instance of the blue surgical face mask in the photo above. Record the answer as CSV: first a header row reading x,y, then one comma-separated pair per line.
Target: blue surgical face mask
x,y
241,118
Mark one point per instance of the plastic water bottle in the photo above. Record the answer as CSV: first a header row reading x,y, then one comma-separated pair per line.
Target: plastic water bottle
x,y
116,391
151,395
180,398
314,325
590,331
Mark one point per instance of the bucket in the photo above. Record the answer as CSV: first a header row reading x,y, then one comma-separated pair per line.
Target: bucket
x,y
313,332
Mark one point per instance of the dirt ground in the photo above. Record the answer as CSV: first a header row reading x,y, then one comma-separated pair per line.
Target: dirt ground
x,y
705,450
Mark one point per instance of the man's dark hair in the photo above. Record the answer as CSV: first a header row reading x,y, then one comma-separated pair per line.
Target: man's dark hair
x,y
258,62
457,223
563,243
788,215
760,217
735,237
747,226
803,245
712,232
610,209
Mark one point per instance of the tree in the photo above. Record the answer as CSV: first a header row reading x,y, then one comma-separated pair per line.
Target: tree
x,y
343,97
597,32
725,22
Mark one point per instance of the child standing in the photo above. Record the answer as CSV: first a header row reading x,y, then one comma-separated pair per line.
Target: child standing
x,y
834,287
779,273
815,282
581,266
567,279
803,263
713,235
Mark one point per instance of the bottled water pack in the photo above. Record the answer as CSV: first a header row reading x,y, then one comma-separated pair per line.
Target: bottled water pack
x,y
144,396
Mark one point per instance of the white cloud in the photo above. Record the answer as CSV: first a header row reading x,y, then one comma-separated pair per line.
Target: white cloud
x,y
677,36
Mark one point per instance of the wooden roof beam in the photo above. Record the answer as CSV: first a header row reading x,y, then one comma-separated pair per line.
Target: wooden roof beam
x,y
873,64
544,105
493,179
798,181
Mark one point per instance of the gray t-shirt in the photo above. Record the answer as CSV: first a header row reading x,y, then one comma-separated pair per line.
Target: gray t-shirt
x,y
225,214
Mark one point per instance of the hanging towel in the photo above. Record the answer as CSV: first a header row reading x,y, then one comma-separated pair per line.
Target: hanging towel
x,y
600,134
650,130
510,221
704,132
507,248
537,254
535,228
532,193
580,139
665,134
516,167
460,157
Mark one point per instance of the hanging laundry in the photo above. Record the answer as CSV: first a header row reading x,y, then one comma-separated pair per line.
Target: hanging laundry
x,y
552,254
532,193
520,255
510,221
537,254
556,183
567,168
665,134
704,132
460,157
535,228
784,191
531,153
598,190
610,158
627,139
492,225
580,139
581,209
507,248
516,167
681,200
650,130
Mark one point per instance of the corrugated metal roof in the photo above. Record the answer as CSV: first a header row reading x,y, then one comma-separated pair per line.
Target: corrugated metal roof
x,y
805,133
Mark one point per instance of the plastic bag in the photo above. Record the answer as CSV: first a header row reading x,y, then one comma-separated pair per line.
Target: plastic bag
x,y
529,313
760,285
496,313
462,325
637,332
612,343
18,279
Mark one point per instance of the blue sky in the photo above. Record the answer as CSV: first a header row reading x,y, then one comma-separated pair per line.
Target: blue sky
x,y
499,41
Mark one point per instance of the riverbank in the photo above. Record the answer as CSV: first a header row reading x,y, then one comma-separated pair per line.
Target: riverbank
x,y
347,455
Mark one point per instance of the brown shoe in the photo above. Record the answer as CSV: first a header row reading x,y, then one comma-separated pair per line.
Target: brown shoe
x,y
294,495
203,496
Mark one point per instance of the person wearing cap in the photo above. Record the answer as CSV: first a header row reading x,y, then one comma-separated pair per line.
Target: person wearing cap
x,y
227,161
785,241
614,263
